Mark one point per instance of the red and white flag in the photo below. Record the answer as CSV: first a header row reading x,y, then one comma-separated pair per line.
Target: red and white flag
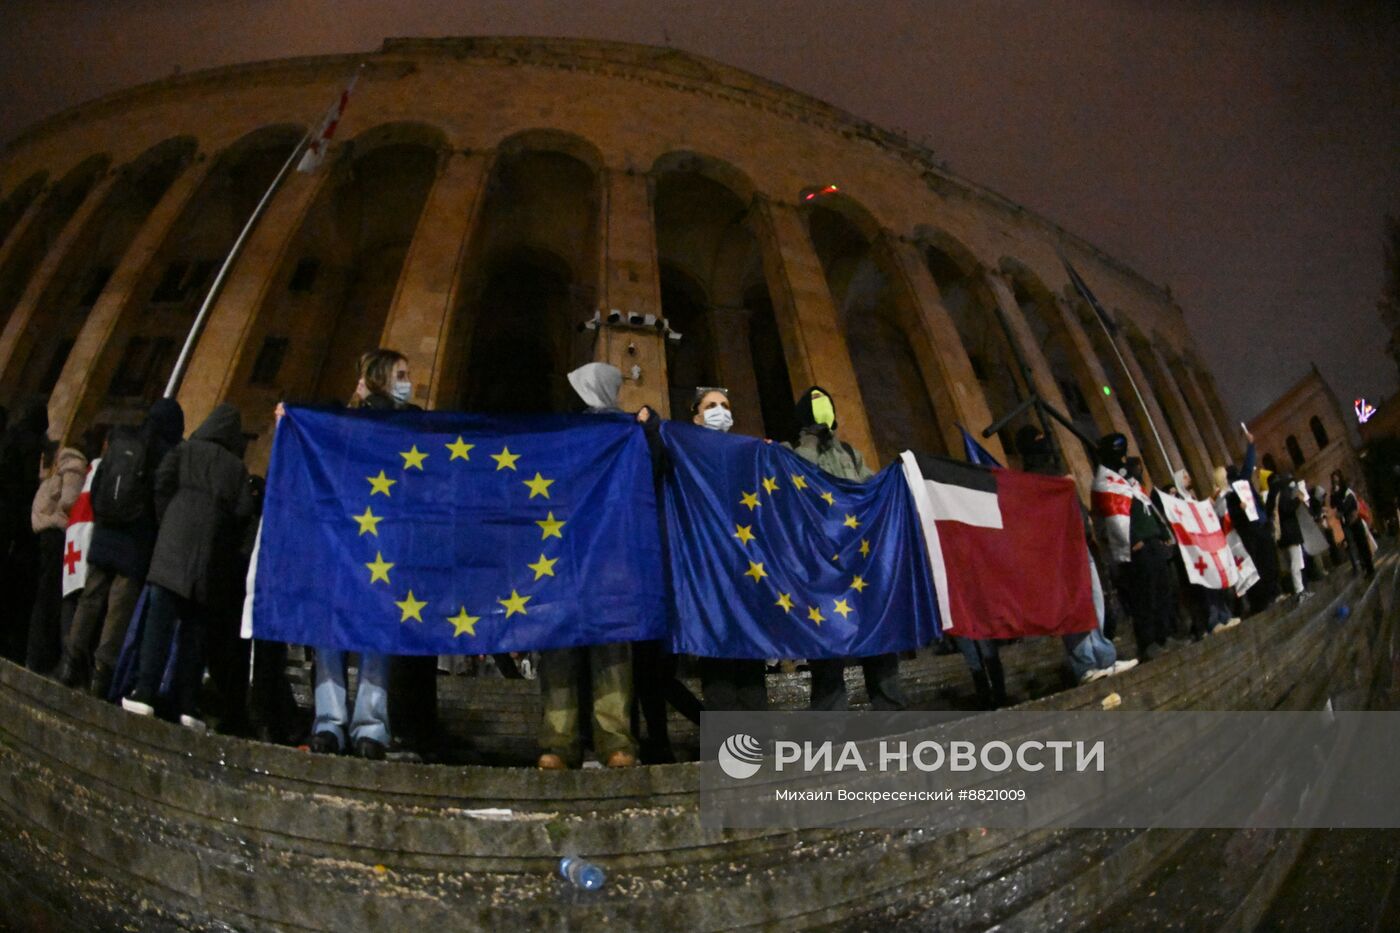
x,y
1202,542
1006,549
78,536
1248,573
320,142
1112,497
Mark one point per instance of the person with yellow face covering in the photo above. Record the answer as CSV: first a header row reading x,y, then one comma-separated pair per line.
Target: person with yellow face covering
x,y
818,443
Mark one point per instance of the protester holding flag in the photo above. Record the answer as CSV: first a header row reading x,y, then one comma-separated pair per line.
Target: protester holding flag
x,y
598,384
1192,522
124,531
1151,544
818,443
65,470
1250,520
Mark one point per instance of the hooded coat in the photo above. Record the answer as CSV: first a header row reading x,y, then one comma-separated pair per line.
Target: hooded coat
x,y
203,497
818,444
1290,531
598,384
57,494
126,549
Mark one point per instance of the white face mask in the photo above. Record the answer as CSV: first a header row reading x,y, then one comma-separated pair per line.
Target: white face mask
x,y
718,418
402,392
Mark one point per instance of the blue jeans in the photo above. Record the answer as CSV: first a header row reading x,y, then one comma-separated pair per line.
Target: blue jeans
x,y
371,699
1091,651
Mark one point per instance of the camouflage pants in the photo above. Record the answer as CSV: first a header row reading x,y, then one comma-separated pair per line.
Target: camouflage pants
x,y
611,670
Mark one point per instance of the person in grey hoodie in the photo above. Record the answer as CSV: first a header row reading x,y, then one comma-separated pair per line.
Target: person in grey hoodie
x,y
202,497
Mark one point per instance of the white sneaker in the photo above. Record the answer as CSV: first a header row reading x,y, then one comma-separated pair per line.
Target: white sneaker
x,y
1232,623
1092,675
137,707
1126,664
198,725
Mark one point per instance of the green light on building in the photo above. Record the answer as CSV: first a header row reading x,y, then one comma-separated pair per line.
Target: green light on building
x,y
1107,390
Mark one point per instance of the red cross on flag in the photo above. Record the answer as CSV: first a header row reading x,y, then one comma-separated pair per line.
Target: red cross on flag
x,y
321,140
78,536
1204,548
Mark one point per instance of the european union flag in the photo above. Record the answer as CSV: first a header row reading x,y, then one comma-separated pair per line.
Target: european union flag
x,y
772,558
445,533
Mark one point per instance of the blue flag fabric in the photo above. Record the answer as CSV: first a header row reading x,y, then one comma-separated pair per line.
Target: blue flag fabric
x,y
772,558
445,533
975,452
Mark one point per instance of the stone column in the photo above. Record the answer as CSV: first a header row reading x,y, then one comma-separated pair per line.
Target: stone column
x,y
423,321
1195,456
17,339
1023,338
807,320
84,376
729,335
222,347
1216,448
1150,408
1229,430
21,227
1106,409
629,281
953,388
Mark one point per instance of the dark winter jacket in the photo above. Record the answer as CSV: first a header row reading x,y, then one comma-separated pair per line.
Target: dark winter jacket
x,y
203,499
1290,532
126,549
20,450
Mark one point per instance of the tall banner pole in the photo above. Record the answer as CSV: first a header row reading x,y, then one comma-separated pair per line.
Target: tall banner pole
x,y
216,286
1099,314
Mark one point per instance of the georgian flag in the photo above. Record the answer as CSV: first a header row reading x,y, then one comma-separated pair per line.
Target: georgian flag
x,y
1006,549
78,536
1112,497
320,142
1204,548
1248,573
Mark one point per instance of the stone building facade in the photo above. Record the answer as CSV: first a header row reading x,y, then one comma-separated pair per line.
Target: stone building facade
x,y
483,198
1304,432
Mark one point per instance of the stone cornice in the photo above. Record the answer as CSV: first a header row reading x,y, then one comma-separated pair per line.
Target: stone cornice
x,y
657,66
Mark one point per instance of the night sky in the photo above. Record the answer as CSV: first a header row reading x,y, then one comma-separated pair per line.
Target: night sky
x,y
1240,153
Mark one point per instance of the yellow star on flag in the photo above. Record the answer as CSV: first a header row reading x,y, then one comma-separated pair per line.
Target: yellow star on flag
x,y
544,567
369,522
770,484
379,569
460,449
815,615
380,483
751,500
864,548
858,584
463,623
413,458
539,486
505,460
830,499
744,533
851,522
843,607
799,481
785,601
756,571
516,603
549,527
411,608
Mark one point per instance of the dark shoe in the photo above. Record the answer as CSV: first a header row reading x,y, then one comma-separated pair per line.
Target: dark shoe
x,y
370,749
70,673
101,681
325,743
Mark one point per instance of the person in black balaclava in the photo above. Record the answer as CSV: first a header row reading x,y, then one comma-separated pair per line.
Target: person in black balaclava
x,y
1256,534
1348,508
817,443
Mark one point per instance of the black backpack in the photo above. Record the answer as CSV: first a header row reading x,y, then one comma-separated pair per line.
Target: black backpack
x,y
122,487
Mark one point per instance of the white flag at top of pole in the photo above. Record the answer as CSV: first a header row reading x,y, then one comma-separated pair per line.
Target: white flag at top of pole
x,y
316,149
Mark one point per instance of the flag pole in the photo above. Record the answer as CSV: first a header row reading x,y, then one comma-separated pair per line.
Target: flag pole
x,y
216,286
1084,293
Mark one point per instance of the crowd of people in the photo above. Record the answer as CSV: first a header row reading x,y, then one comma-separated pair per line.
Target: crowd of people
x,y
129,572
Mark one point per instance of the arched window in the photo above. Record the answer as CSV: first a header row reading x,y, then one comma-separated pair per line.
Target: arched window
x,y
1294,450
1319,432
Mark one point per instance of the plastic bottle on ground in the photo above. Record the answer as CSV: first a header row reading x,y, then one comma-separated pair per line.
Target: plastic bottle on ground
x,y
581,873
